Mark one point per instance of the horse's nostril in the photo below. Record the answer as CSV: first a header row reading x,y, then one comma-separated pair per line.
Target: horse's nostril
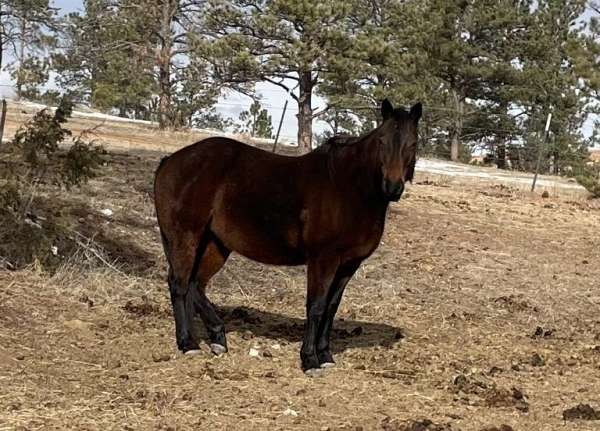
x,y
393,189
400,189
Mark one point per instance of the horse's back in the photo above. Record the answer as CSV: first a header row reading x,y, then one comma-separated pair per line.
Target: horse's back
x,y
249,198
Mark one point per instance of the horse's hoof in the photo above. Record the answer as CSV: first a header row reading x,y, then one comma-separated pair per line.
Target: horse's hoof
x,y
192,352
313,372
218,349
327,365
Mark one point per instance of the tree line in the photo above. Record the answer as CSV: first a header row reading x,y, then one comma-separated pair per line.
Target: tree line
x,y
488,72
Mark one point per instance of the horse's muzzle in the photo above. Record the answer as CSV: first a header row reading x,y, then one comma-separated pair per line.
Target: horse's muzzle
x,y
393,190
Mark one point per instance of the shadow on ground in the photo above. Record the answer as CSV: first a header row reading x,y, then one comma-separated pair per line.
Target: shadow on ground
x,y
346,334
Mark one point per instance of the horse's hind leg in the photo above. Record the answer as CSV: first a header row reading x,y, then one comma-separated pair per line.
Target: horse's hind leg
x,y
211,261
182,262
181,311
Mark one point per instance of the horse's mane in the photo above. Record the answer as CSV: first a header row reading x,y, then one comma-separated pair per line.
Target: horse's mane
x,y
336,141
342,141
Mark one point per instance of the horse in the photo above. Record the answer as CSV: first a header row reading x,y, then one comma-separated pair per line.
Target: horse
x,y
325,209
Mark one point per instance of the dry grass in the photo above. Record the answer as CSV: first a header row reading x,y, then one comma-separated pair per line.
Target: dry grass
x,y
120,135
439,324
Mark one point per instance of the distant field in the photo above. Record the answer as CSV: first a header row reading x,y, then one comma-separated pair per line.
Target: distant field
x,y
122,134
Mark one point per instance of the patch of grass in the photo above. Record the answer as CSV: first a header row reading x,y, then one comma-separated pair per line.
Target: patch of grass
x,y
590,179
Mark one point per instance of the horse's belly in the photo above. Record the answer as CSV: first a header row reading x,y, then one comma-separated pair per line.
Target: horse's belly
x,y
264,242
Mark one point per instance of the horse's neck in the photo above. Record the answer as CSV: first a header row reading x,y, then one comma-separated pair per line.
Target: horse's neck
x,y
355,167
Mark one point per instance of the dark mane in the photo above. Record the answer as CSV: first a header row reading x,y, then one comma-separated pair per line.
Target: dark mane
x,y
345,140
336,141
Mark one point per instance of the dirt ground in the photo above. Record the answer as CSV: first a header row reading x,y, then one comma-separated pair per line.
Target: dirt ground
x,y
479,311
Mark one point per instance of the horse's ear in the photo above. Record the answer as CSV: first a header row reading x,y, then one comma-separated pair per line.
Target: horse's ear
x,y
416,112
386,109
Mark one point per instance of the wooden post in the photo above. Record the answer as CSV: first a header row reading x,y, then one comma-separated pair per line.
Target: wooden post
x,y
541,148
2,120
280,124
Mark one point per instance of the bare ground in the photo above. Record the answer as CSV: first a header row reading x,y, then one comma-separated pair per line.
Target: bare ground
x,y
478,310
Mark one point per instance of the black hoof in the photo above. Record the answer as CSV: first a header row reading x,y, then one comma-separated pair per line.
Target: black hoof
x,y
314,372
218,349
310,362
187,344
325,357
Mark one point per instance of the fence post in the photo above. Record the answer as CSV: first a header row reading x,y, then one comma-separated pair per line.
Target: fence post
x,y
541,148
279,128
2,120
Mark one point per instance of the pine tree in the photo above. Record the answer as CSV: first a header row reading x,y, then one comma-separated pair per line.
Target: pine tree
x,y
101,65
27,30
137,57
256,122
551,55
286,43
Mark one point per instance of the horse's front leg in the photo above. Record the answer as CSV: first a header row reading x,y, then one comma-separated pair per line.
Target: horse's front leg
x,y
321,272
334,297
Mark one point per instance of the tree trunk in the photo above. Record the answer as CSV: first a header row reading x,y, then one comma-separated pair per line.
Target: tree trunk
x,y
305,113
21,59
501,153
164,67
458,125
2,120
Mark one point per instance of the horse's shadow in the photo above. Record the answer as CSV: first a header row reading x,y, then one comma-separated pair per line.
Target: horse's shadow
x,y
346,333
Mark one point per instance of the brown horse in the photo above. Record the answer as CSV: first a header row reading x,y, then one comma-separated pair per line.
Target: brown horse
x,y
325,209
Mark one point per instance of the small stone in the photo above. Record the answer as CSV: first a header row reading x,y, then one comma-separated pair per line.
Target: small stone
x,y
113,363
267,354
290,412
545,194
247,335
537,360
254,353
160,357
106,212
495,370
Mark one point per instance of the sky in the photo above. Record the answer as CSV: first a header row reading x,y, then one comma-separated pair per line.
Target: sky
x,y
231,104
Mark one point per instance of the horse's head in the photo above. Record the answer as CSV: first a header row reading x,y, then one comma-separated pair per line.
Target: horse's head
x,y
398,147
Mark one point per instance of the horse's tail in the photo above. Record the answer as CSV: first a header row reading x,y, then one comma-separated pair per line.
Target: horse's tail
x,y
163,237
